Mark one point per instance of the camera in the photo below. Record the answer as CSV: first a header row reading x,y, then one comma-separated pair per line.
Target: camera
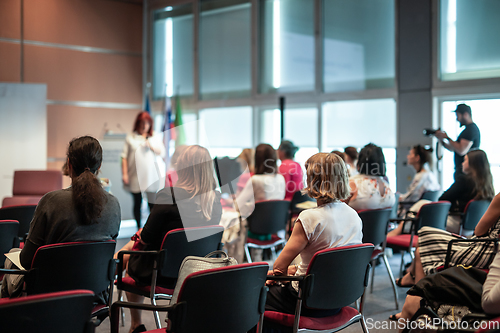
x,y
430,131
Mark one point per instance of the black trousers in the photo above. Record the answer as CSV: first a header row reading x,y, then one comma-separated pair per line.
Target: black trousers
x,y
137,208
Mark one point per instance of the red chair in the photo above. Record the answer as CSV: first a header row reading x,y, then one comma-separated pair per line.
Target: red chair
x,y
375,223
59,312
30,186
335,278
268,217
23,214
227,299
433,214
175,247
69,266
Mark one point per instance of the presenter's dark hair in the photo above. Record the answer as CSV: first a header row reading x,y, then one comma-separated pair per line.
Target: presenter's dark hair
x,y
265,159
143,116
85,158
371,161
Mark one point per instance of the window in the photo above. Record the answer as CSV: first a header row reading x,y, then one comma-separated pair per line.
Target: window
x,y
287,44
225,131
359,45
225,49
486,115
357,123
469,44
301,127
173,52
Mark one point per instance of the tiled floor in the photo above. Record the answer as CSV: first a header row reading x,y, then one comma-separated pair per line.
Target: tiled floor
x,y
378,306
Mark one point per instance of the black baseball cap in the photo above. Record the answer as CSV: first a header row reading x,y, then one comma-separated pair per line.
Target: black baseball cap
x,y
463,108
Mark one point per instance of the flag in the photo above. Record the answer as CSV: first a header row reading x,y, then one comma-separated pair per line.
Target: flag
x,y
180,135
147,105
167,128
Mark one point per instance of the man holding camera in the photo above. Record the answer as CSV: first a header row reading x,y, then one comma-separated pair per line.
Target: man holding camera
x,y
468,139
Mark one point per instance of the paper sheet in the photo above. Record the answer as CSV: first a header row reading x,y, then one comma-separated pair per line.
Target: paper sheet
x,y
15,258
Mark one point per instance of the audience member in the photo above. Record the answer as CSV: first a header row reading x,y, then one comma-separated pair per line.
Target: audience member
x,y
171,176
333,223
423,181
82,212
246,160
433,243
139,163
351,159
339,154
370,189
290,169
476,183
192,202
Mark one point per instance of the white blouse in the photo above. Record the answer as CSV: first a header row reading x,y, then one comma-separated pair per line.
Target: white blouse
x,y
366,194
424,181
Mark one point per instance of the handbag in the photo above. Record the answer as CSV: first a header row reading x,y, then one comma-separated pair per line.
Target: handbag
x,y
192,264
138,246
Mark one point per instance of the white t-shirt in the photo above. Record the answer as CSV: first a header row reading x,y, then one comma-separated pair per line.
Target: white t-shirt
x,y
260,188
332,225
367,193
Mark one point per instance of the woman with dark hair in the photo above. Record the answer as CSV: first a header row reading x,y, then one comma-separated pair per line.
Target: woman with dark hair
x,y
192,202
476,183
265,184
82,212
433,242
139,169
290,169
370,189
351,159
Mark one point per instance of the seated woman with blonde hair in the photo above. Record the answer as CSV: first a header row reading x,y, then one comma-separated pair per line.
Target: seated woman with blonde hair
x,y
333,223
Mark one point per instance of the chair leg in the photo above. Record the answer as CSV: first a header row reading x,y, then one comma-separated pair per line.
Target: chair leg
x,y
247,254
401,267
391,277
122,312
363,324
155,314
374,262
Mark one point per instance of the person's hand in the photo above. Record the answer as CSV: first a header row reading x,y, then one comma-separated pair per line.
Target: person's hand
x,y
441,135
270,282
125,179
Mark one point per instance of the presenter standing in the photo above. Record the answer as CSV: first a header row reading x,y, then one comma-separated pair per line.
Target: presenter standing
x,y
469,138
142,165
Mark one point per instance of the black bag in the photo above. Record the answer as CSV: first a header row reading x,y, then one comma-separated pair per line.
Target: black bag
x,y
455,286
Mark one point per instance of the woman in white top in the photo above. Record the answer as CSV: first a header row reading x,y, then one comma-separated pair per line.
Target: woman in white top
x,y
370,189
333,223
141,170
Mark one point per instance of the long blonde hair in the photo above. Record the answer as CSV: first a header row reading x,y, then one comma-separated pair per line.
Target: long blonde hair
x,y
196,175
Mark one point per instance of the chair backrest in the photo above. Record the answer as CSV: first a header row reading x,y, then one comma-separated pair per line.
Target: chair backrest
x,y
180,243
474,210
338,276
298,197
434,214
8,236
228,299
431,195
395,207
60,312
375,224
68,266
228,171
36,182
269,216
23,214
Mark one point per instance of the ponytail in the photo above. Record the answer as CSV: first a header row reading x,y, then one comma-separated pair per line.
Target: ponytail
x,y
89,198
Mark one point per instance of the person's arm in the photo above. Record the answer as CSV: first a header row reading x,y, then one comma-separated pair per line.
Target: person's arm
x,y
297,242
489,218
245,200
453,193
416,184
36,233
490,300
460,147
125,171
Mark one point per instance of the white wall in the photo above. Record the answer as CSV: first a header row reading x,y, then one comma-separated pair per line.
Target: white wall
x,y
23,131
